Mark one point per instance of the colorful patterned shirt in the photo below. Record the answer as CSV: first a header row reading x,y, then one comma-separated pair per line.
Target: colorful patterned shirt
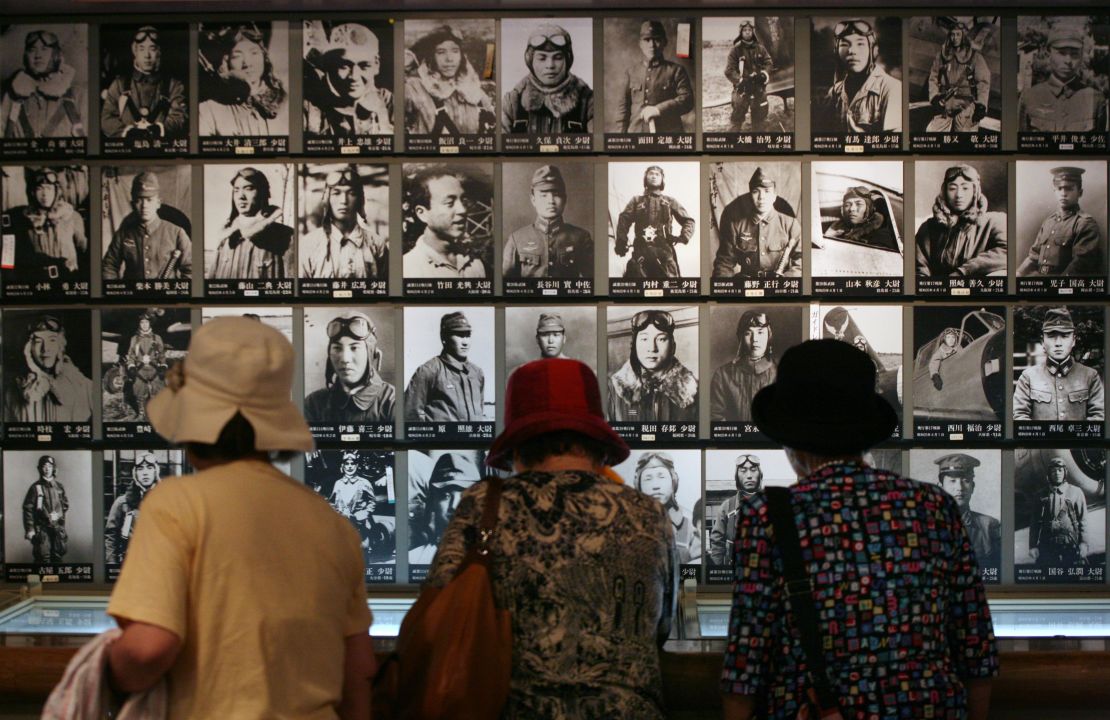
x,y
902,609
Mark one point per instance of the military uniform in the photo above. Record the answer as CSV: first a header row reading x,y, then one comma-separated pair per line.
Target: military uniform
x,y
876,107
146,251
124,513
445,388
984,531
959,80
1066,390
656,83
44,519
723,533
735,384
1055,106
752,246
371,403
649,216
1068,243
548,248
1059,525
747,69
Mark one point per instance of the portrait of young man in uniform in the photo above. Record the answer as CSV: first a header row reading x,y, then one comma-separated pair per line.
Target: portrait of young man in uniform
x,y
246,238
145,245
656,473
343,244
757,239
548,247
446,240
548,99
646,92
1070,242
958,85
137,349
962,236
863,95
564,331
119,524
147,98
1060,534
45,374
45,95
354,390
1059,85
1060,388
44,514
449,91
449,387
736,382
749,481
650,382
347,85
974,480
651,225
439,494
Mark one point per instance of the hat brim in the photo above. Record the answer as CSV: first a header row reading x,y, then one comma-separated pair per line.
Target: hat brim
x,y
864,430
189,415
501,451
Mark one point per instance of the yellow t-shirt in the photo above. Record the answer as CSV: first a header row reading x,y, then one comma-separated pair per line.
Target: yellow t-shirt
x,y
261,579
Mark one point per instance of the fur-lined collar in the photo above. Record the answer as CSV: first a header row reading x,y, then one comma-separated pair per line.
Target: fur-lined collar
x,y
58,211
466,84
676,383
560,100
945,216
858,233
54,85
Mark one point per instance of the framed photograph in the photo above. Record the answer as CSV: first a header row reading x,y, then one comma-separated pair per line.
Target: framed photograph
x,y
974,479
857,210
547,220
1061,228
1058,371
144,89
243,80
954,71
48,396
343,222
450,391
673,478
746,342
747,84
652,389
548,78
960,240
44,98
48,507
450,85
1062,83
553,331
279,318
146,231
137,347
128,476
447,230
45,229
249,248
755,232
650,93
437,479
1060,516
856,84
959,372
359,484
349,372
348,86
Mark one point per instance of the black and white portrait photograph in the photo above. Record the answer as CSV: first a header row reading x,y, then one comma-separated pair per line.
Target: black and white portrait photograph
x,y
960,210
447,222
128,476
1058,371
348,86
746,342
450,85
44,96
45,226
547,71
873,329
1063,82
730,477
437,479
650,84
547,229
954,71
144,88
343,222
137,347
1060,516
48,515
889,459
654,235
359,484
959,372
755,232
249,247
48,391
747,83
652,369
553,331
243,82
279,317
146,231
350,378
856,83
673,478
450,383
974,479
1061,227
857,242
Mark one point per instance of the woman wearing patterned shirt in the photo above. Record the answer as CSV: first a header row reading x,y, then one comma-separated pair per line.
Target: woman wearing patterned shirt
x,y
902,611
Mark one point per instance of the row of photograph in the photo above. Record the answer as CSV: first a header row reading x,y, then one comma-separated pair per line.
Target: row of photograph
x,y
754,228
369,372
457,85
1053,532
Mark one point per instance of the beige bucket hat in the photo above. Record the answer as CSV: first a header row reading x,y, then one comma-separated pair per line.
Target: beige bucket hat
x,y
234,365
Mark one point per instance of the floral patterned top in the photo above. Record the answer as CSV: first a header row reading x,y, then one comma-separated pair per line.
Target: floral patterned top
x,y
586,566
901,605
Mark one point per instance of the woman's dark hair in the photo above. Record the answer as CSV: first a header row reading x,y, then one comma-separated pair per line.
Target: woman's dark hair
x,y
563,442
236,441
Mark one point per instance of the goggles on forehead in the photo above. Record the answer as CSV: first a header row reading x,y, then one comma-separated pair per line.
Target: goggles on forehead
x,y
357,327
658,318
340,177
48,323
747,462
558,40
47,177
45,37
852,27
145,33
747,24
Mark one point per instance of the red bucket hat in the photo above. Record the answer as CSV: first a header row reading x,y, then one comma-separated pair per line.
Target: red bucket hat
x,y
550,395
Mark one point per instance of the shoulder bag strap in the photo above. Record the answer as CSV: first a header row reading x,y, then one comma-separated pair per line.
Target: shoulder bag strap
x,y
478,552
799,592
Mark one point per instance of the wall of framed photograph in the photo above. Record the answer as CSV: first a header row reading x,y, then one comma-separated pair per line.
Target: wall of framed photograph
x,y
411,195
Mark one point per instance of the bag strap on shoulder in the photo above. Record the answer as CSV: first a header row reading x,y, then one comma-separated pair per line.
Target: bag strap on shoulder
x,y
479,550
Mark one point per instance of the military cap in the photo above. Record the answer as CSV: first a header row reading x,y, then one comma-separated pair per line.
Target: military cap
x,y
658,168
145,184
548,177
1067,174
652,28
550,322
761,179
46,459
351,455
962,170
454,470
46,323
957,464
1057,320
43,176
455,322
1057,462
146,458
747,461
1065,35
